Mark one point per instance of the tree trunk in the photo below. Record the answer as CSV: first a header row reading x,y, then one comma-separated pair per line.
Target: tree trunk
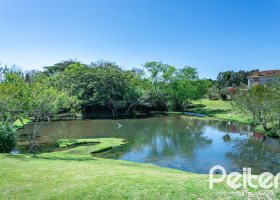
x,y
30,138
129,108
254,121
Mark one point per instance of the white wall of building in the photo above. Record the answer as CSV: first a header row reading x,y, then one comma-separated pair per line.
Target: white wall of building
x,y
262,80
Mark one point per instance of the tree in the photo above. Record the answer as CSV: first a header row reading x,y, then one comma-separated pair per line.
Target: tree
x,y
186,86
249,101
42,104
232,79
11,91
59,67
160,75
7,137
7,132
106,86
173,89
20,100
213,92
262,103
7,72
275,106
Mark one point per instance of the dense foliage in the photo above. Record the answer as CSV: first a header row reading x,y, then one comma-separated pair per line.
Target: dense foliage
x,y
7,138
226,84
262,102
173,89
21,99
105,87
71,88
232,79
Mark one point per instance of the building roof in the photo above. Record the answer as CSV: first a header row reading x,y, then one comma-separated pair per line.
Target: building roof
x,y
265,73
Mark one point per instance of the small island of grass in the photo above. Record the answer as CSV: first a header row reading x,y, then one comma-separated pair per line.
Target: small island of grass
x,y
72,149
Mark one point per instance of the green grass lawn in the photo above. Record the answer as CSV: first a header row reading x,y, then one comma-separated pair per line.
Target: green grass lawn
x,y
64,175
219,109
35,178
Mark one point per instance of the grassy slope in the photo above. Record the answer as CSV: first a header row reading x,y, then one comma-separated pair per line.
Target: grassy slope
x,y
31,178
53,177
74,174
84,150
220,110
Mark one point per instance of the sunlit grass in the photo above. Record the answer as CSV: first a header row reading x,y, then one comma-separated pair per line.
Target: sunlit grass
x,y
83,148
18,124
35,178
220,110
64,175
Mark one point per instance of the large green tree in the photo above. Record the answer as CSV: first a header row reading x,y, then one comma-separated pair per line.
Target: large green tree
x,y
173,89
232,79
262,103
21,100
105,85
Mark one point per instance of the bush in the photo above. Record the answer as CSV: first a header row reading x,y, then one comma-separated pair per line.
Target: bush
x,y
274,131
7,138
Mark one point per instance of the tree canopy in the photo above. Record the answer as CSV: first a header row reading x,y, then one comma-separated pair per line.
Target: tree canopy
x,y
71,87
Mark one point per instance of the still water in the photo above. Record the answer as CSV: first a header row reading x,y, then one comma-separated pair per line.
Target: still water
x,y
177,142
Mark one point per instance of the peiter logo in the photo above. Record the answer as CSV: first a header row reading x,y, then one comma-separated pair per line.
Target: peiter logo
x,y
236,180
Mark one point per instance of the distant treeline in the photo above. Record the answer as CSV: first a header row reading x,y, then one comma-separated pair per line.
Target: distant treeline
x,y
227,83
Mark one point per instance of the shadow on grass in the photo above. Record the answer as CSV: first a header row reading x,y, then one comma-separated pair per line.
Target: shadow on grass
x,y
28,157
64,158
76,149
200,108
22,157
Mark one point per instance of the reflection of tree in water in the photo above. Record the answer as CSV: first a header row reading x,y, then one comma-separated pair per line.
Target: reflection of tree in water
x,y
174,140
168,138
256,154
227,138
227,127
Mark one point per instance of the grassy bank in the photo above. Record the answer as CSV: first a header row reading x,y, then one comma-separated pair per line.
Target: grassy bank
x,y
82,149
34,178
219,109
72,173
64,175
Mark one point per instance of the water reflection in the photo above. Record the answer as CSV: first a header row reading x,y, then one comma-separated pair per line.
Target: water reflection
x,y
181,143
259,154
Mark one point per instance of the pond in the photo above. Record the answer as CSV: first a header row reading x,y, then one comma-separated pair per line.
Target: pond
x,y
176,142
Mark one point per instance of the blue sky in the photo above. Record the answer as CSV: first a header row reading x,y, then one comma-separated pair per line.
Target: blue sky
x,y
211,35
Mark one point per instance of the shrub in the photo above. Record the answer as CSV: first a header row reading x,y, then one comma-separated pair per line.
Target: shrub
x,y
7,138
274,131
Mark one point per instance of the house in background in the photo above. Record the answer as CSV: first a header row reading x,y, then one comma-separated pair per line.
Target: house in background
x,y
262,77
